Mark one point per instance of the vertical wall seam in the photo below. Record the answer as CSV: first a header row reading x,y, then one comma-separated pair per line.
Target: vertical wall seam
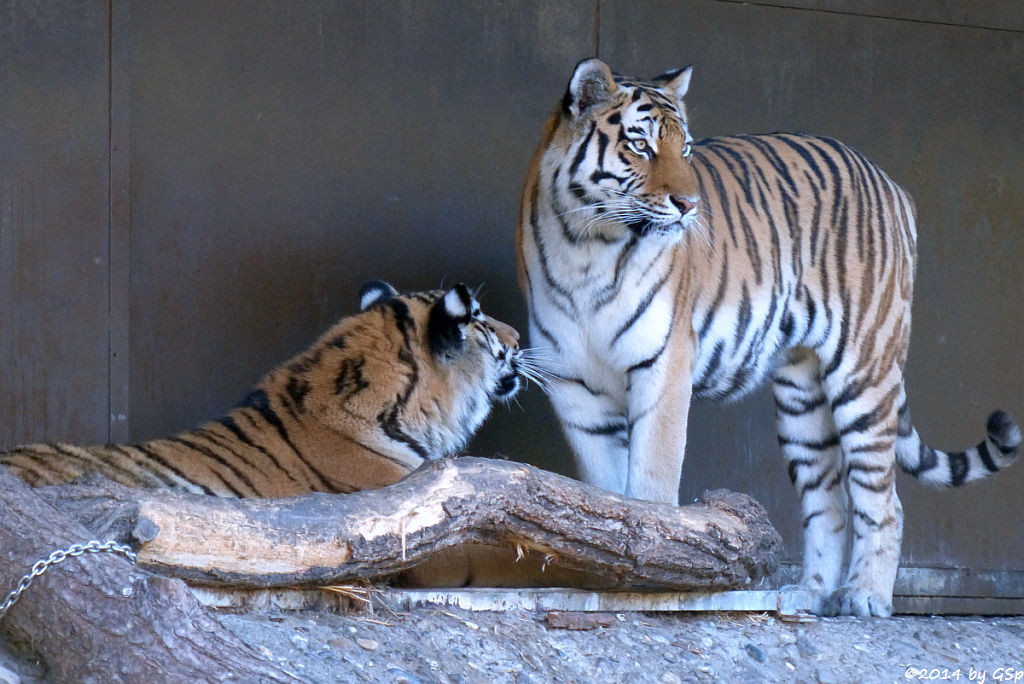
x,y
119,224
110,216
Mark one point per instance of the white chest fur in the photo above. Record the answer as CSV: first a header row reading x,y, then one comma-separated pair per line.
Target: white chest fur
x,y
607,308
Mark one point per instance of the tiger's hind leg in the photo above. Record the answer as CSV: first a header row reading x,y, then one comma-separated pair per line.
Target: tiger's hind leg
x,y
864,408
810,445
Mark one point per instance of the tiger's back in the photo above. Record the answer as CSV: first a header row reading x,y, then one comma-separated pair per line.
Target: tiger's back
x,y
816,230
409,378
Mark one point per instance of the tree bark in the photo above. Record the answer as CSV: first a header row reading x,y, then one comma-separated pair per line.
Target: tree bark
x,y
723,542
96,617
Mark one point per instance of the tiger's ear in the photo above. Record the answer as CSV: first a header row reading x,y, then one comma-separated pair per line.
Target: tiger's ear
x,y
592,83
675,82
373,292
448,320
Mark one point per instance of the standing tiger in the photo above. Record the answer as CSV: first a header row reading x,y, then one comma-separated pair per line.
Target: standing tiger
x,y
656,268
409,378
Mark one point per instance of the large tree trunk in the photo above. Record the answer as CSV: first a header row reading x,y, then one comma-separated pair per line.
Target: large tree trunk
x,y
723,542
98,618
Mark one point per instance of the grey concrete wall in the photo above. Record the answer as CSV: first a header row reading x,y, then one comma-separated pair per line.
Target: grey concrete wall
x,y
191,191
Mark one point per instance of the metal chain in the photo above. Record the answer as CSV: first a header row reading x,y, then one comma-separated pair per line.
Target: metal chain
x,y
59,556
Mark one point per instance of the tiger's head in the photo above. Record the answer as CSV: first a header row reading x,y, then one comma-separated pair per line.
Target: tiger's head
x,y
620,156
413,375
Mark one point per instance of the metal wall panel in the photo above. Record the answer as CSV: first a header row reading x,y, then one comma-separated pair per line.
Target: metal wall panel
x,y
937,106
53,221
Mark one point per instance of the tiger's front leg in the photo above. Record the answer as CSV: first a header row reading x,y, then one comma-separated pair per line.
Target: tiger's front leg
x,y
594,422
658,398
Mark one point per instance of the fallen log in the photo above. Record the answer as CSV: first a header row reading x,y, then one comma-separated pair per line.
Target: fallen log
x,y
96,617
724,541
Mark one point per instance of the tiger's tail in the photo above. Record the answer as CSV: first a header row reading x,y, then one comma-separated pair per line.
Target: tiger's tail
x,y
955,468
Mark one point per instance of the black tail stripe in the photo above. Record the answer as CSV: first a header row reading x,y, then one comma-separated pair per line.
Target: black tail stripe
x,y
986,457
1006,450
958,468
904,428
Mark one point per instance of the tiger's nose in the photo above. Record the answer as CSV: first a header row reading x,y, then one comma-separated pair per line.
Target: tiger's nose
x,y
506,332
683,204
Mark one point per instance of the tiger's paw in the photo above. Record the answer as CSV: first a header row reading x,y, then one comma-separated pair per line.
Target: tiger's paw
x,y
856,601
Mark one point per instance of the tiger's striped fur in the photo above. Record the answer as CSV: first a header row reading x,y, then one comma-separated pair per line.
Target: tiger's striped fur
x,y
409,378
657,268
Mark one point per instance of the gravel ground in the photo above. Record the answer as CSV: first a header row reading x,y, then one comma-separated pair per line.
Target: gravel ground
x,y
451,645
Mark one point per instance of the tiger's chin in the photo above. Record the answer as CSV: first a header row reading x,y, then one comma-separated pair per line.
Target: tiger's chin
x,y
665,232
507,386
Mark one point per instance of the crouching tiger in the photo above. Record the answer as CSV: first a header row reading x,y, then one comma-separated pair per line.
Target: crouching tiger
x,y
657,268
409,378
